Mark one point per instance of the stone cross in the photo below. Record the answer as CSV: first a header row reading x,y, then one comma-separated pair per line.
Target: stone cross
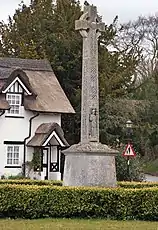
x,y
90,25
90,163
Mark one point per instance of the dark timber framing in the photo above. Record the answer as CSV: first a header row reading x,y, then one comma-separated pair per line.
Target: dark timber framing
x,y
14,142
14,116
12,167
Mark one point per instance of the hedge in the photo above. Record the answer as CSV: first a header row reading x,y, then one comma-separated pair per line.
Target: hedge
x,y
59,183
31,182
137,184
27,201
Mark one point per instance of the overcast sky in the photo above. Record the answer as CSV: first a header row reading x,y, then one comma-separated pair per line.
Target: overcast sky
x,y
125,9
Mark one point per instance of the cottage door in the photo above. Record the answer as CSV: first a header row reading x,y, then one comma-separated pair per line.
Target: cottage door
x,y
45,163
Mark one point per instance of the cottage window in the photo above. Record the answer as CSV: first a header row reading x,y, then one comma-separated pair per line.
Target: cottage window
x,y
13,155
14,101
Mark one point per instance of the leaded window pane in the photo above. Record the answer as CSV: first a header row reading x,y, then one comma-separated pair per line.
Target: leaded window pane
x,y
15,161
15,103
9,161
13,155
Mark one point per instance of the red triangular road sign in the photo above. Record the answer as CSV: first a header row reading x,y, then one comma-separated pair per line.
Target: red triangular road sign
x,y
129,151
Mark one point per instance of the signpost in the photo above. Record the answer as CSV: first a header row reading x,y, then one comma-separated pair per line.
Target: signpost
x,y
128,152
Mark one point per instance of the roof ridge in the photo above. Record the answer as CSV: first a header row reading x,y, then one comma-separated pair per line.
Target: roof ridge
x,y
25,64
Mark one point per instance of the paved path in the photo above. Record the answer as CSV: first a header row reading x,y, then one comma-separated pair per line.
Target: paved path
x,y
151,178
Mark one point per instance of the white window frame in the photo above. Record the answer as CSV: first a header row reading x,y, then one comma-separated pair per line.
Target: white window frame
x,y
14,101
12,155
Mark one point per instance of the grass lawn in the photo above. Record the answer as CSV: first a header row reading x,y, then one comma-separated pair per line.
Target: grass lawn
x,y
151,167
67,224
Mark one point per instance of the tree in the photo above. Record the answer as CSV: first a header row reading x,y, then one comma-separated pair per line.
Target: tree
x,y
46,30
141,35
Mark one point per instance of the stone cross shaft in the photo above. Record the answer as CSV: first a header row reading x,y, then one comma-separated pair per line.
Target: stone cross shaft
x,y
90,26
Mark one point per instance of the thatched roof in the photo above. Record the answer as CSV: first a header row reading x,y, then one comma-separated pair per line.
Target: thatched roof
x,y
44,131
39,78
50,95
21,75
25,64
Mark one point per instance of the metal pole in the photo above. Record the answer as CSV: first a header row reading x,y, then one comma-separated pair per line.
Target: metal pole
x,y
128,172
129,139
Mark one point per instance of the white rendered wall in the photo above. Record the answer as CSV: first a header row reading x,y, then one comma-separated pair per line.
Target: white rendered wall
x,y
17,129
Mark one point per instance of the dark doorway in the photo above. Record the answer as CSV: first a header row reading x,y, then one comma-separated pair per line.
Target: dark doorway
x,y
62,162
45,162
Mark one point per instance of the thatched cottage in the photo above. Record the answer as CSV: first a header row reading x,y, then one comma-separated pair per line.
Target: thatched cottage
x,y
31,104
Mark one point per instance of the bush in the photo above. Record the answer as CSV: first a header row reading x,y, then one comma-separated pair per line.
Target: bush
x,y
17,177
137,184
122,184
21,201
31,182
135,168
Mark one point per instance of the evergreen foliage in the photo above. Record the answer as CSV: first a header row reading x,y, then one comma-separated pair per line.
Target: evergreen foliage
x,y
30,201
135,168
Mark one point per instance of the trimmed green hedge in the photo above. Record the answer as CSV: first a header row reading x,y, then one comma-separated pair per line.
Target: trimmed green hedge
x,y
137,184
23,201
59,183
31,182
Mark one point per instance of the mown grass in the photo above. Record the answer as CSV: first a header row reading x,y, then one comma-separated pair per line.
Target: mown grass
x,y
151,167
75,224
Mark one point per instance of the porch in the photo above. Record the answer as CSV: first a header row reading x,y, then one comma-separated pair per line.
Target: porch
x,y
44,149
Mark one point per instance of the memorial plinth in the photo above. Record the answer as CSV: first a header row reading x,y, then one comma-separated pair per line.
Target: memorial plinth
x,y
90,163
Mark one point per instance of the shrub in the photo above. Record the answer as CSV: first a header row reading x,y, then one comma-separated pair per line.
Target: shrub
x,y
135,168
31,182
17,177
133,185
21,201
122,184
